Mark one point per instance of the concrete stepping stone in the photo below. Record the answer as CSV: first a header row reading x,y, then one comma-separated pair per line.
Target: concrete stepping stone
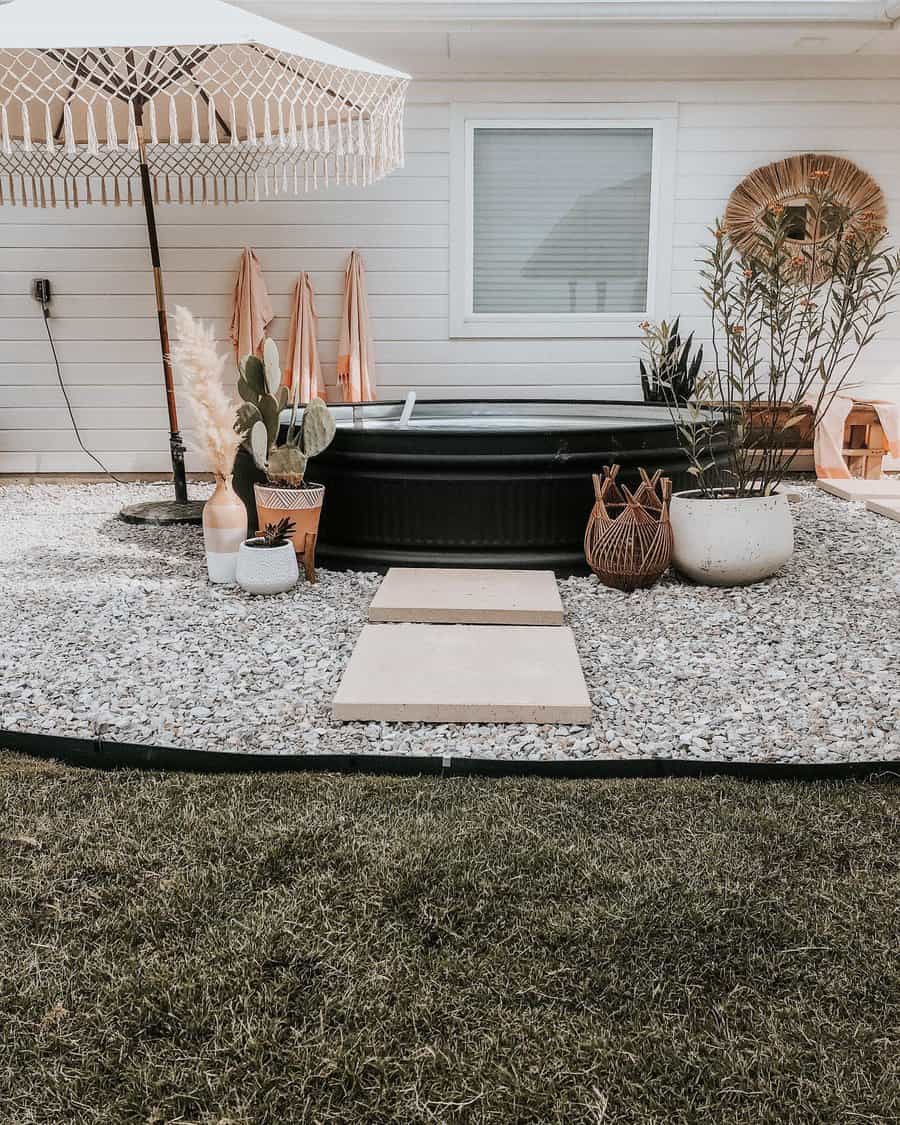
x,y
855,488
464,674
468,597
889,508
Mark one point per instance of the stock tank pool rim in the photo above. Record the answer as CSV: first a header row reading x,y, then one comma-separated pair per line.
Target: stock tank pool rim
x,y
494,483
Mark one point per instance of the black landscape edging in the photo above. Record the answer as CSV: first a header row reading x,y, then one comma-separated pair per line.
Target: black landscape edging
x,y
100,753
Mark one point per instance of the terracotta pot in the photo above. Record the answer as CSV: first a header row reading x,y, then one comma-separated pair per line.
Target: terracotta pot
x,y
301,505
224,529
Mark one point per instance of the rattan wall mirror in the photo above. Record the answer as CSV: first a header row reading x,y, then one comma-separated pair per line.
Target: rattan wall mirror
x,y
786,183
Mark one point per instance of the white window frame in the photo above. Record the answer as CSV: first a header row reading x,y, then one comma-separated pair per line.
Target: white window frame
x,y
661,119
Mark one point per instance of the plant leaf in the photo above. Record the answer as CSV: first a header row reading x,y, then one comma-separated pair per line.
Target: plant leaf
x,y
245,419
272,368
259,444
255,375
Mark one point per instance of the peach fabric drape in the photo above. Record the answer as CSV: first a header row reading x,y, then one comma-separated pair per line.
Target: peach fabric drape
x,y
829,439
356,359
252,309
303,373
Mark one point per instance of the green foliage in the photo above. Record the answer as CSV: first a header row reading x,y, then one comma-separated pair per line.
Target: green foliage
x,y
671,371
272,364
258,421
286,466
254,377
789,324
278,534
318,428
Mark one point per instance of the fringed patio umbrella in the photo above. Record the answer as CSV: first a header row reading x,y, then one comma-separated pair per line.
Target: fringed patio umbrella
x,y
182,101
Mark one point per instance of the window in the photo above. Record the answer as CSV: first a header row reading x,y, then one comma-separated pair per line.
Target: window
x,y
555,225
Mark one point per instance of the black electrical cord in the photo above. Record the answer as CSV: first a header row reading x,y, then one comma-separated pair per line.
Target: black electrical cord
x,y
46,311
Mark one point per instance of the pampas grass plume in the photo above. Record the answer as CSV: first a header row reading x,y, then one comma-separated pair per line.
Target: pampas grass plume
x,y
201,369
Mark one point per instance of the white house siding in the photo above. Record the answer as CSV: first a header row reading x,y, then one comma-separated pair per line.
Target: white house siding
x,y
103,314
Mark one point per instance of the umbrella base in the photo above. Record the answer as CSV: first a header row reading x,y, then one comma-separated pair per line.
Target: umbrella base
x,y
163,513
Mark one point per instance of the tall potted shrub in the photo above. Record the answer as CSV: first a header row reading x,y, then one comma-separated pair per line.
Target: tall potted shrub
x,y
286,494
789,323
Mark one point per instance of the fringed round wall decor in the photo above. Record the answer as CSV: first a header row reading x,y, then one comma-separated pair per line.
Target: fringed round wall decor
x,y
628,541
788,184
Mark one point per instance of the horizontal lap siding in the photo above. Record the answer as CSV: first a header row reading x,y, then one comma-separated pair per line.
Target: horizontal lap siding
x,y
718,143
103,306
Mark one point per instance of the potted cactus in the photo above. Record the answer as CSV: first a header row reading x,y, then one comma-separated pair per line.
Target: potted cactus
x,y
285,493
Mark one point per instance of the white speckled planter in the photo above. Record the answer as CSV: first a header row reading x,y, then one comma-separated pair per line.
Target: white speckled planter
x,y
728,542
266,570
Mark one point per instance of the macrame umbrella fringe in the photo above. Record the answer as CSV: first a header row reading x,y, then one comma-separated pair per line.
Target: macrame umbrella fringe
x,y
314,124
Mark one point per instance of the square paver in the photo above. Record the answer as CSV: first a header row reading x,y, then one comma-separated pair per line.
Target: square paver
x,y
854,488
889,508
464,674
468,597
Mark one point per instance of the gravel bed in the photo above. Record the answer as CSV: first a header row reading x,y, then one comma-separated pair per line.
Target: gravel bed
x,y
114,629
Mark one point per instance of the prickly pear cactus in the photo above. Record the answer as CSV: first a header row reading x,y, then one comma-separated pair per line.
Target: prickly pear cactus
x,y
259,411
318,428
252,382
272,366
258,421
258,443
286,467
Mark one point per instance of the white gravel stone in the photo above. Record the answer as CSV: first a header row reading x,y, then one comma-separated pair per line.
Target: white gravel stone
x,y
113,628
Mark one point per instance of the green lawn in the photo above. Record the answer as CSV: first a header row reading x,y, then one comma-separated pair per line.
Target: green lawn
x,y
298,948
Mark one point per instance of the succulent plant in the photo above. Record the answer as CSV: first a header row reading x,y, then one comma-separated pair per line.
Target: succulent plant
x,y
258,422
672,371
277,534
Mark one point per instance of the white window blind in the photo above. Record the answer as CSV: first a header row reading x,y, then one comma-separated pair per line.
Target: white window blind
x,y
561,220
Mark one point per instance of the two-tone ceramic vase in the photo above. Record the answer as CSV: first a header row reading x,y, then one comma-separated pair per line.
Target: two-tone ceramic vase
x,y
224,530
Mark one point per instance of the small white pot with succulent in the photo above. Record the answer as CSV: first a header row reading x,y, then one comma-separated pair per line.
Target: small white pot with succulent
x,y
287,493
267,563
789,323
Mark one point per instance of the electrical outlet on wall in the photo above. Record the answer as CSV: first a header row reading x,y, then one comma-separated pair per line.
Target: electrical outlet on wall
x,y
41,291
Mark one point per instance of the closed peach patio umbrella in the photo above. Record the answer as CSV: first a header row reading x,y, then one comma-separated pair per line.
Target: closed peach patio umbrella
x,y
303,374
182,101
252,313
356,358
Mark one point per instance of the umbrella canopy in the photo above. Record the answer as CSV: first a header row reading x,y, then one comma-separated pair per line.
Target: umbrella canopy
x,y
233,104
182,100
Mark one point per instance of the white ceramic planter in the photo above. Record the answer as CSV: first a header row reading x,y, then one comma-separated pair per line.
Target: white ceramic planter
x,y
728,542
266,570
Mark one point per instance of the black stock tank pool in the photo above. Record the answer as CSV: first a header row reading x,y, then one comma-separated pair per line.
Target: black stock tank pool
x,y
492,483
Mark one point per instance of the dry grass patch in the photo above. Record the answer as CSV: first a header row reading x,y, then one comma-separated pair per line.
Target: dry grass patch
x,y
294,948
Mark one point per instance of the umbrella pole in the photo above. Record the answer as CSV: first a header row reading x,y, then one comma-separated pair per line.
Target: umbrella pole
x,y
182,510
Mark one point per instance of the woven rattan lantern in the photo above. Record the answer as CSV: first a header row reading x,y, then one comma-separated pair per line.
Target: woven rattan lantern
x,y
628,541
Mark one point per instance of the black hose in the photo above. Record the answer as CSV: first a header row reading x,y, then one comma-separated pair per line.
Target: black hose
x,y
62,387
